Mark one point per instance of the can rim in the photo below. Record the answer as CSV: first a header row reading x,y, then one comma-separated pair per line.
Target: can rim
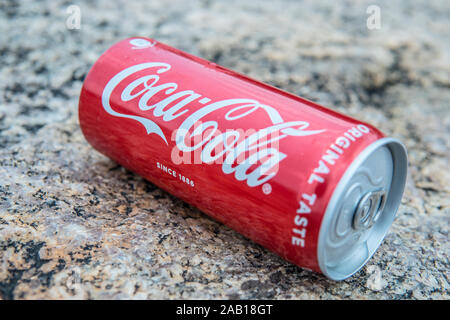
x,y
399,160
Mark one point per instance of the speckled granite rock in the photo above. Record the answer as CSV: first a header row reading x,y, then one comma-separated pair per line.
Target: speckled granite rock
x,y
73,224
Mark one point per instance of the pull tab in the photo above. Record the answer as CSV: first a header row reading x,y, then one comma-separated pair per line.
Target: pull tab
x,y
369,209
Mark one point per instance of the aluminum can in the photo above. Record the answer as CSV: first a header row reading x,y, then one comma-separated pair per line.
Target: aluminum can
x,y
316,187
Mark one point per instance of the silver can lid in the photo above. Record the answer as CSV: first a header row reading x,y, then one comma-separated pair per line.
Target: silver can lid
x,y
362,208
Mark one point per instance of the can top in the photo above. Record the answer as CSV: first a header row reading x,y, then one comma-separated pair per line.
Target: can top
x,y
362,208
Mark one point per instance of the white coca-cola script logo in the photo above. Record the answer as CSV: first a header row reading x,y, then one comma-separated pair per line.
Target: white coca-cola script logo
x,y
176,104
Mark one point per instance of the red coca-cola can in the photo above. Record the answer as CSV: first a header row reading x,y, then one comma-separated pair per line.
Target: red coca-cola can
x,y
317,187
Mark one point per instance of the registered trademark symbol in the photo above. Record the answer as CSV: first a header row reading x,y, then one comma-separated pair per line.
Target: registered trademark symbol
x,y
266,188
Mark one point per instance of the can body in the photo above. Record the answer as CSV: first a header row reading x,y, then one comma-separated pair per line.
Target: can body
x,y
258,159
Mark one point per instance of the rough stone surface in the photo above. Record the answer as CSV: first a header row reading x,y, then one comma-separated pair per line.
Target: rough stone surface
x,y
74,224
